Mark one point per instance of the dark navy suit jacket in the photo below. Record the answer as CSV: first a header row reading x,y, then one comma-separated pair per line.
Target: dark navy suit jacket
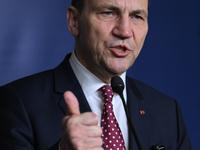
x,y
31,110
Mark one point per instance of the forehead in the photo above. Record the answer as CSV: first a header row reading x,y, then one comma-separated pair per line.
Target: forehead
x,y
121,4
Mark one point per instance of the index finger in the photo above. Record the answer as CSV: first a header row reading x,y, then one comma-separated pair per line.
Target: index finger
x,y
88,119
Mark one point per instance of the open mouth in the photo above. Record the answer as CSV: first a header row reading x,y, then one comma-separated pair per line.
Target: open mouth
x,y
120,49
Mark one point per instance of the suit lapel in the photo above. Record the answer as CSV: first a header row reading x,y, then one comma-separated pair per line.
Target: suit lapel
x,y
136,103
65,80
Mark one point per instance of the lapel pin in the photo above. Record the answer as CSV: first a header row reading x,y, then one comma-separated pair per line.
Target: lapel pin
x,y
142,112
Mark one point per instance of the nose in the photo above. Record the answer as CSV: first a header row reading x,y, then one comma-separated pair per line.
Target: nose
x,y
122,28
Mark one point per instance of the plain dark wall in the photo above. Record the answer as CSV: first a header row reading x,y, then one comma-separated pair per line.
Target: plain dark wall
x,y
34,37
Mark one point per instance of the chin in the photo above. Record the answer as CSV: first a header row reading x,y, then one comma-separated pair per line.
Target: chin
x,y
118,71
119,68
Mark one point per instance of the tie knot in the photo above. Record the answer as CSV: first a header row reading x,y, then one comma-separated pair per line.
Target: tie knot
x,y
107,93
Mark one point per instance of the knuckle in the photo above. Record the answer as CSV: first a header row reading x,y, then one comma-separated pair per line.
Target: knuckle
x,y
71,120
92,117
100,130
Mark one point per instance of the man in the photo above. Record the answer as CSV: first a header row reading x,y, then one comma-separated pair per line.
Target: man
x,y
109,35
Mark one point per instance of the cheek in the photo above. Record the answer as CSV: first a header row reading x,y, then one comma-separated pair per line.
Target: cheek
x,y
98,37
140,36
101,29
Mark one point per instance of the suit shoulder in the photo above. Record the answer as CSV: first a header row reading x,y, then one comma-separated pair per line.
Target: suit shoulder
x,y
146,91
31,82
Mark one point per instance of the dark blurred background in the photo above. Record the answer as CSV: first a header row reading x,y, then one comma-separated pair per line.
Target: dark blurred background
x,y
34,37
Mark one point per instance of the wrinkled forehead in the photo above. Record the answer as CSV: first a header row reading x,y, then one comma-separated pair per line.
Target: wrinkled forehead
x,y
122,4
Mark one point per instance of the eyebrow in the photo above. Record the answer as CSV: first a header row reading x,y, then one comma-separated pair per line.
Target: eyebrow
x,y
111,7
140,11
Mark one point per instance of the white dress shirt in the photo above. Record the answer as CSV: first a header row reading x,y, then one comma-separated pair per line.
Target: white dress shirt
x,y
94,97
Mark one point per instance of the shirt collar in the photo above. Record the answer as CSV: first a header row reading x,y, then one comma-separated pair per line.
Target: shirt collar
x,y
85,77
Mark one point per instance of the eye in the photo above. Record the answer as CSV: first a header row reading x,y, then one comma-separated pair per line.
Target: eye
x,y
107,13
137,17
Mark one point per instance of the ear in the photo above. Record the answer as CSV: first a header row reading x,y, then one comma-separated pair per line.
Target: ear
x,y
72,20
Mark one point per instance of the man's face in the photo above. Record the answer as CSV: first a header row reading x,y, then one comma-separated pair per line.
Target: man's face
x,y
110,36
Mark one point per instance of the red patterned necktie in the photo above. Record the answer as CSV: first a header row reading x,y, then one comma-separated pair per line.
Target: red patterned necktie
x,y
112,136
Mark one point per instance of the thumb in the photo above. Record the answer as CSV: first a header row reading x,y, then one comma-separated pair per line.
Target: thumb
x,y
72,103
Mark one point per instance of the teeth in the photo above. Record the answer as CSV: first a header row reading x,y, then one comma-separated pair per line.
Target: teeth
x,y
121,49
